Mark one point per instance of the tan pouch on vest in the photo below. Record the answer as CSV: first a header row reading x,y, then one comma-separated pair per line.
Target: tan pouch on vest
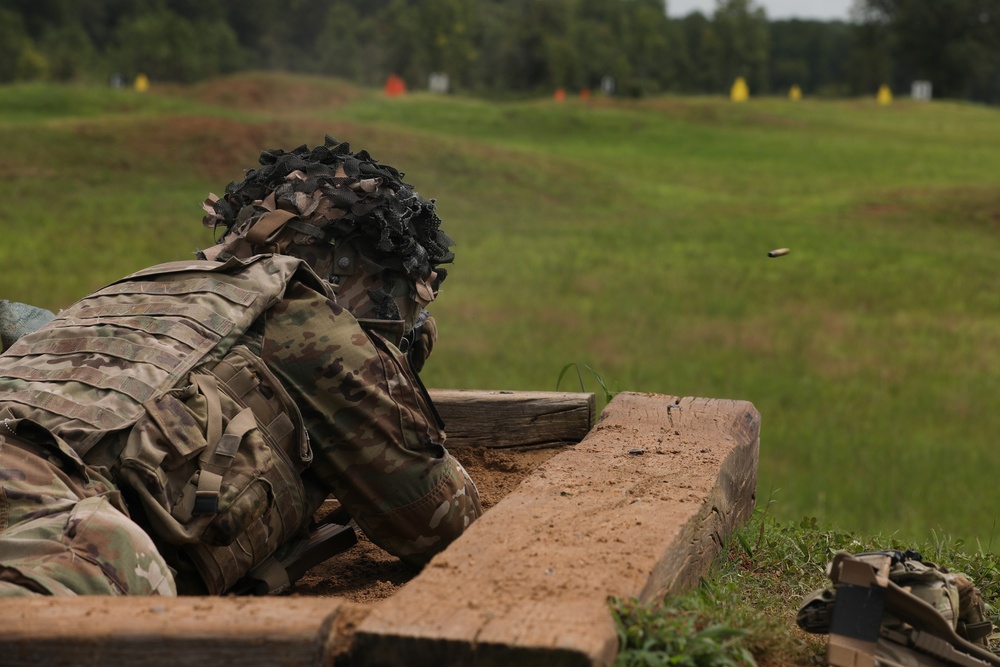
x,y
216,465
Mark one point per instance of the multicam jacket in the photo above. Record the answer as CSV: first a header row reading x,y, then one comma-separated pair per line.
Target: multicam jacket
x,y
227,401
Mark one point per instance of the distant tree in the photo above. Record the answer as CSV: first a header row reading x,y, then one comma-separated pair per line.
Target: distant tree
x,y
195,10
37,15
632,41
507,49
561,44
514,42
742,30
368,8
168,47
276,35
32,65
649,42
698,46
955,44
345,47
443,31
12,40
296,28
15,43
813,55
419,38
598,49
69,52
400,38
870,62
100,19
512,47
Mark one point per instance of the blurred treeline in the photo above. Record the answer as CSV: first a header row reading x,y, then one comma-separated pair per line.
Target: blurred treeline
x,y
512,47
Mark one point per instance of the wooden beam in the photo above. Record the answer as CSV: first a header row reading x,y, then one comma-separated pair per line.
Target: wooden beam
x,y
638,509
477,418
189,631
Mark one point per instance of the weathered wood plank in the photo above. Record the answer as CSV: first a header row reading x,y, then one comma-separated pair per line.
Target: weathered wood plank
x,y
637,509
187,631
477,418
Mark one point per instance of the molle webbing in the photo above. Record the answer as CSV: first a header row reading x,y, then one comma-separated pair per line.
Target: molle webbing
x,y
88,372
216,464
222,567
163,328
207,318
194,286
91,377
222,447
242,377
242,383
99,419
108,345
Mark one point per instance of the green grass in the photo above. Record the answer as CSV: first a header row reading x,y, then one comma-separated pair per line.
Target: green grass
x,y
31,103
628,237
633,238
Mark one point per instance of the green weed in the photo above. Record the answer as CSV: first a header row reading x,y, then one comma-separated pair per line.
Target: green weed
x,y
676,636
608,394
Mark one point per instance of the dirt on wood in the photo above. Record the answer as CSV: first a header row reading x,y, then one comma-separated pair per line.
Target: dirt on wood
x,y
366,574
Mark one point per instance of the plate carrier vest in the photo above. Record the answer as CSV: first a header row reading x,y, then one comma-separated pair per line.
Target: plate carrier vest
x,y
190,421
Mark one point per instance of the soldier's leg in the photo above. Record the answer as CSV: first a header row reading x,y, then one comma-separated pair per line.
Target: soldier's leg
x,y
62,535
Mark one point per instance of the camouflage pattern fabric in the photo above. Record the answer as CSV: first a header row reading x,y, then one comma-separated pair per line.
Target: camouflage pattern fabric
x,y
377,445
88,373
64,531
375,438
893,609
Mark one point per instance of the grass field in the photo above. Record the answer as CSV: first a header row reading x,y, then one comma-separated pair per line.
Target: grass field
x,y
627,237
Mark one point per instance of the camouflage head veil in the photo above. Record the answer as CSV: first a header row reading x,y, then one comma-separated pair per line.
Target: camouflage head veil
x,y
350,217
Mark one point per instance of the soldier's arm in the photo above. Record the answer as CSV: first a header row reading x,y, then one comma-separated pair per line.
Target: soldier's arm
x,y
374,436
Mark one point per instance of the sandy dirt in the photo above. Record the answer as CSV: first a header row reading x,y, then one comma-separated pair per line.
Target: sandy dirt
x,y
366,574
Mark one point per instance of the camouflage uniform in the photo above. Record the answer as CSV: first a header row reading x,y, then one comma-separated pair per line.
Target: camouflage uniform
x,y
375,442
64,529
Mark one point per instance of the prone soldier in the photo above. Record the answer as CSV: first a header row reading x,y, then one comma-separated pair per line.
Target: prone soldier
x,y
176,431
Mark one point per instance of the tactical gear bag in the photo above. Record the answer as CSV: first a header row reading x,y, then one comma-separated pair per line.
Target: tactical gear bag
x,y
217,463
892,609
